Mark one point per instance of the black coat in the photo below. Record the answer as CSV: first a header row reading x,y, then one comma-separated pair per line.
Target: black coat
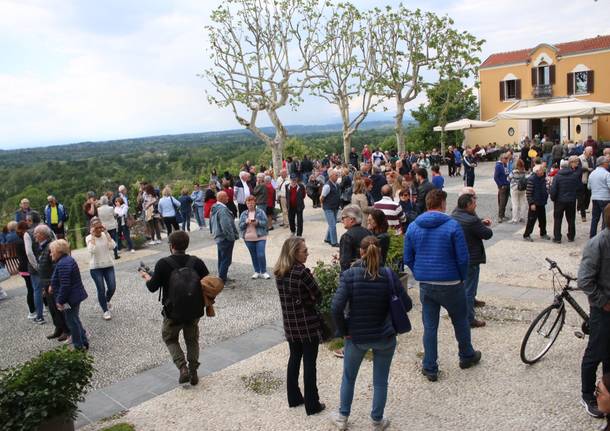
x,y
300,196
349,245
422,191
566,185
474,232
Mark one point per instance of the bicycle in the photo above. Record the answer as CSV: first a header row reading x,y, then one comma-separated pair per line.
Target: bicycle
x,y
549,323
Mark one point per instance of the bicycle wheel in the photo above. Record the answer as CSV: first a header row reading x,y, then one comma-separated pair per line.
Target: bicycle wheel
x,y
542,333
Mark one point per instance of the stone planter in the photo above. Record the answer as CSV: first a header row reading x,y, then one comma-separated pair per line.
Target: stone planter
x,y
57,423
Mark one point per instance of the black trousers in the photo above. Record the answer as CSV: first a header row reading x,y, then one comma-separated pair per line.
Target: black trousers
x,y
503,195
241,208
598,351
451,167
58,317
170,222
30,294
294,214
539,214
569,209
584,199
469,177
308,352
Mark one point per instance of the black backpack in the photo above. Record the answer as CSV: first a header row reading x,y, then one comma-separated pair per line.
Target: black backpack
x,y
522,183
184,300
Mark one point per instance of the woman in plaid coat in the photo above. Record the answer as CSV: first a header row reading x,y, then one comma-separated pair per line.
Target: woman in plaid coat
x,y
299,295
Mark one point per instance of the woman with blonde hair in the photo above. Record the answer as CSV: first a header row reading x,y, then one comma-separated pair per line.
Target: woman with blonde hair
x,y
299,296
366,288
169,207
359,196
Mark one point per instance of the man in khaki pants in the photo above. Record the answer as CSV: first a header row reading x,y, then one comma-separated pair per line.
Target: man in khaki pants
x,y
281,196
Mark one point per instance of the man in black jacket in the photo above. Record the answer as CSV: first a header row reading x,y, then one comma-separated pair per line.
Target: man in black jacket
x,y
172,325
349,245
423,187
475,231
353,158
564,191
379,181
295,195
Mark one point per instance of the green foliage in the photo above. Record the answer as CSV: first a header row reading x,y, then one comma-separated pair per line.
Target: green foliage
x,y
396,251
327,278
49,385
449,100
120,427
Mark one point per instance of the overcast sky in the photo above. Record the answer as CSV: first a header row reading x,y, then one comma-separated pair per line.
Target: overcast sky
x,y
72,71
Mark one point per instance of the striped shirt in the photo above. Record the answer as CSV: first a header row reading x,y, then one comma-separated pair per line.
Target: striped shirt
x,y
392,210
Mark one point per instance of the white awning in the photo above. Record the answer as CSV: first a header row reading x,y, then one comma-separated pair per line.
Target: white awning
x,y
464,123
562,108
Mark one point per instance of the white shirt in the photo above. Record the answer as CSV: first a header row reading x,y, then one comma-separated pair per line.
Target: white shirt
x,y
100,250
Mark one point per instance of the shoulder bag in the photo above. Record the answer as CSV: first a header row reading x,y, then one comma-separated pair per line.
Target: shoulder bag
x,y
398,312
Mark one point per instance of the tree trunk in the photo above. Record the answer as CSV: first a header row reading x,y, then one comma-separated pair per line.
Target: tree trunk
x,y
443,140
398,127
277,145
347,144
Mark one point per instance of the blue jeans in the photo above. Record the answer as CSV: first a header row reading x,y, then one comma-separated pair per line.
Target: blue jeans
x,y
383,352
453,299
257,253
37,288
199,216
470,284
124,230
597,213
331,219
104,293
225,257
546,157
186,220
79,335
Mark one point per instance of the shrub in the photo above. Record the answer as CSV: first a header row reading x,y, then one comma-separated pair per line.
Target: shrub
x,y
327,277
46,386
396,251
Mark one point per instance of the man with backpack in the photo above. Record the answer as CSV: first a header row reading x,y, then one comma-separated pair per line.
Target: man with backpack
x,y
178,277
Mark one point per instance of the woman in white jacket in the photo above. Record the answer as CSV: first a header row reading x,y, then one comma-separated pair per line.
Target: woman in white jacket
x,y
105,213
101,265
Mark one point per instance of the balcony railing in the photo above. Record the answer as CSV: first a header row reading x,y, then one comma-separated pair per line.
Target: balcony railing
x,y
542,91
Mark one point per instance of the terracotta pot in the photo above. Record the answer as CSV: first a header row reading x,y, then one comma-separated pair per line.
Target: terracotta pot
x,y
57,423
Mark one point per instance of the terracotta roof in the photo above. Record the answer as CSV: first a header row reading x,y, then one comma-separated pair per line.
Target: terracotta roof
x,y
592,44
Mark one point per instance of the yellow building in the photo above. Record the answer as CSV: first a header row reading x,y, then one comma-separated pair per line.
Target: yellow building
x,y
517,79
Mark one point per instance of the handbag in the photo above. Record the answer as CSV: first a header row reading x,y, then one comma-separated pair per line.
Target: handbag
x,y
178,213
4,274
398,311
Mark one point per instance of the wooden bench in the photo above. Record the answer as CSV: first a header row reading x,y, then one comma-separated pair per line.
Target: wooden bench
x,y
8,257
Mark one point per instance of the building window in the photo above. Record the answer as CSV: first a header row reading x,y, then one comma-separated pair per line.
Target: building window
x,y
544,75
510,89
580,82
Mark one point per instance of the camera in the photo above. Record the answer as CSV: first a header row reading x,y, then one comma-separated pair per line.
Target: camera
x,y
144,268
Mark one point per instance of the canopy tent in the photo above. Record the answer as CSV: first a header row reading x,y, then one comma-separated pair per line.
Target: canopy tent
x,y
464,123
562,108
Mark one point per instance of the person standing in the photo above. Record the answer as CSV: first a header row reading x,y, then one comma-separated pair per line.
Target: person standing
x,y
331,199
377,224
306,169
197,198
458,161
564,190
101,267
281,196
475,231
176,275
537,197
168,208
186,204
121,212
22,228
353,158
392,209
436,251
253,229
423,188
107,217
224,232
518,187
450,159
299,295
270,206
365,290
587,163
151,213
469,164
313,188
599,184
501,179
378,180
24,210
32,250
68,291
594,280
294,193
437,178
557,153
349,246
55,216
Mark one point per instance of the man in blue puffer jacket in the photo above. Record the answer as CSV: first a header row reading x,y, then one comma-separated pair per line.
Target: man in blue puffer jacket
x,y
437,253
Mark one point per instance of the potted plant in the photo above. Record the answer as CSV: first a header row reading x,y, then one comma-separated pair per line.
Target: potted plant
x,y
42,394
395,256
327,278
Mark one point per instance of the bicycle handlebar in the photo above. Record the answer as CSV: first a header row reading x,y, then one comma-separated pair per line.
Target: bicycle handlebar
x,y
553,265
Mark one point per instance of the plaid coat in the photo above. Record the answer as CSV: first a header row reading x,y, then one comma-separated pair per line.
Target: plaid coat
x,y
299,295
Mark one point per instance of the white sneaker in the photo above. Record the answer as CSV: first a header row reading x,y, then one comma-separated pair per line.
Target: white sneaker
x,y
107,315
380,425
158,241
3,294
255,276
32,316
266,276
132,250
338,420
151,242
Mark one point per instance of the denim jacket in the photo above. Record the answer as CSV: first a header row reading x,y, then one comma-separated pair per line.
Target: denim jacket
x,y
261,227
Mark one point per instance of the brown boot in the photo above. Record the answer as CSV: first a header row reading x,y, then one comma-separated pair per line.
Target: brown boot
x,y
193,376
477,323
184,374
478,303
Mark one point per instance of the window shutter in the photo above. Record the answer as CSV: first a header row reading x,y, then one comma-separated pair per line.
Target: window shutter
x,y
570,84
590,81
517,89
552,74
534,76
502,97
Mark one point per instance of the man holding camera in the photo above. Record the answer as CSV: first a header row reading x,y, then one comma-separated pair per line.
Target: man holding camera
x,y
178,276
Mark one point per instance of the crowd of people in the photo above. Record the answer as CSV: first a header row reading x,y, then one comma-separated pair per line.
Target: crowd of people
x,y
375,194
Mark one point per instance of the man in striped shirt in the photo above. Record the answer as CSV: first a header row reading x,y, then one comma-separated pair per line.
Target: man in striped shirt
x,y
391,208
